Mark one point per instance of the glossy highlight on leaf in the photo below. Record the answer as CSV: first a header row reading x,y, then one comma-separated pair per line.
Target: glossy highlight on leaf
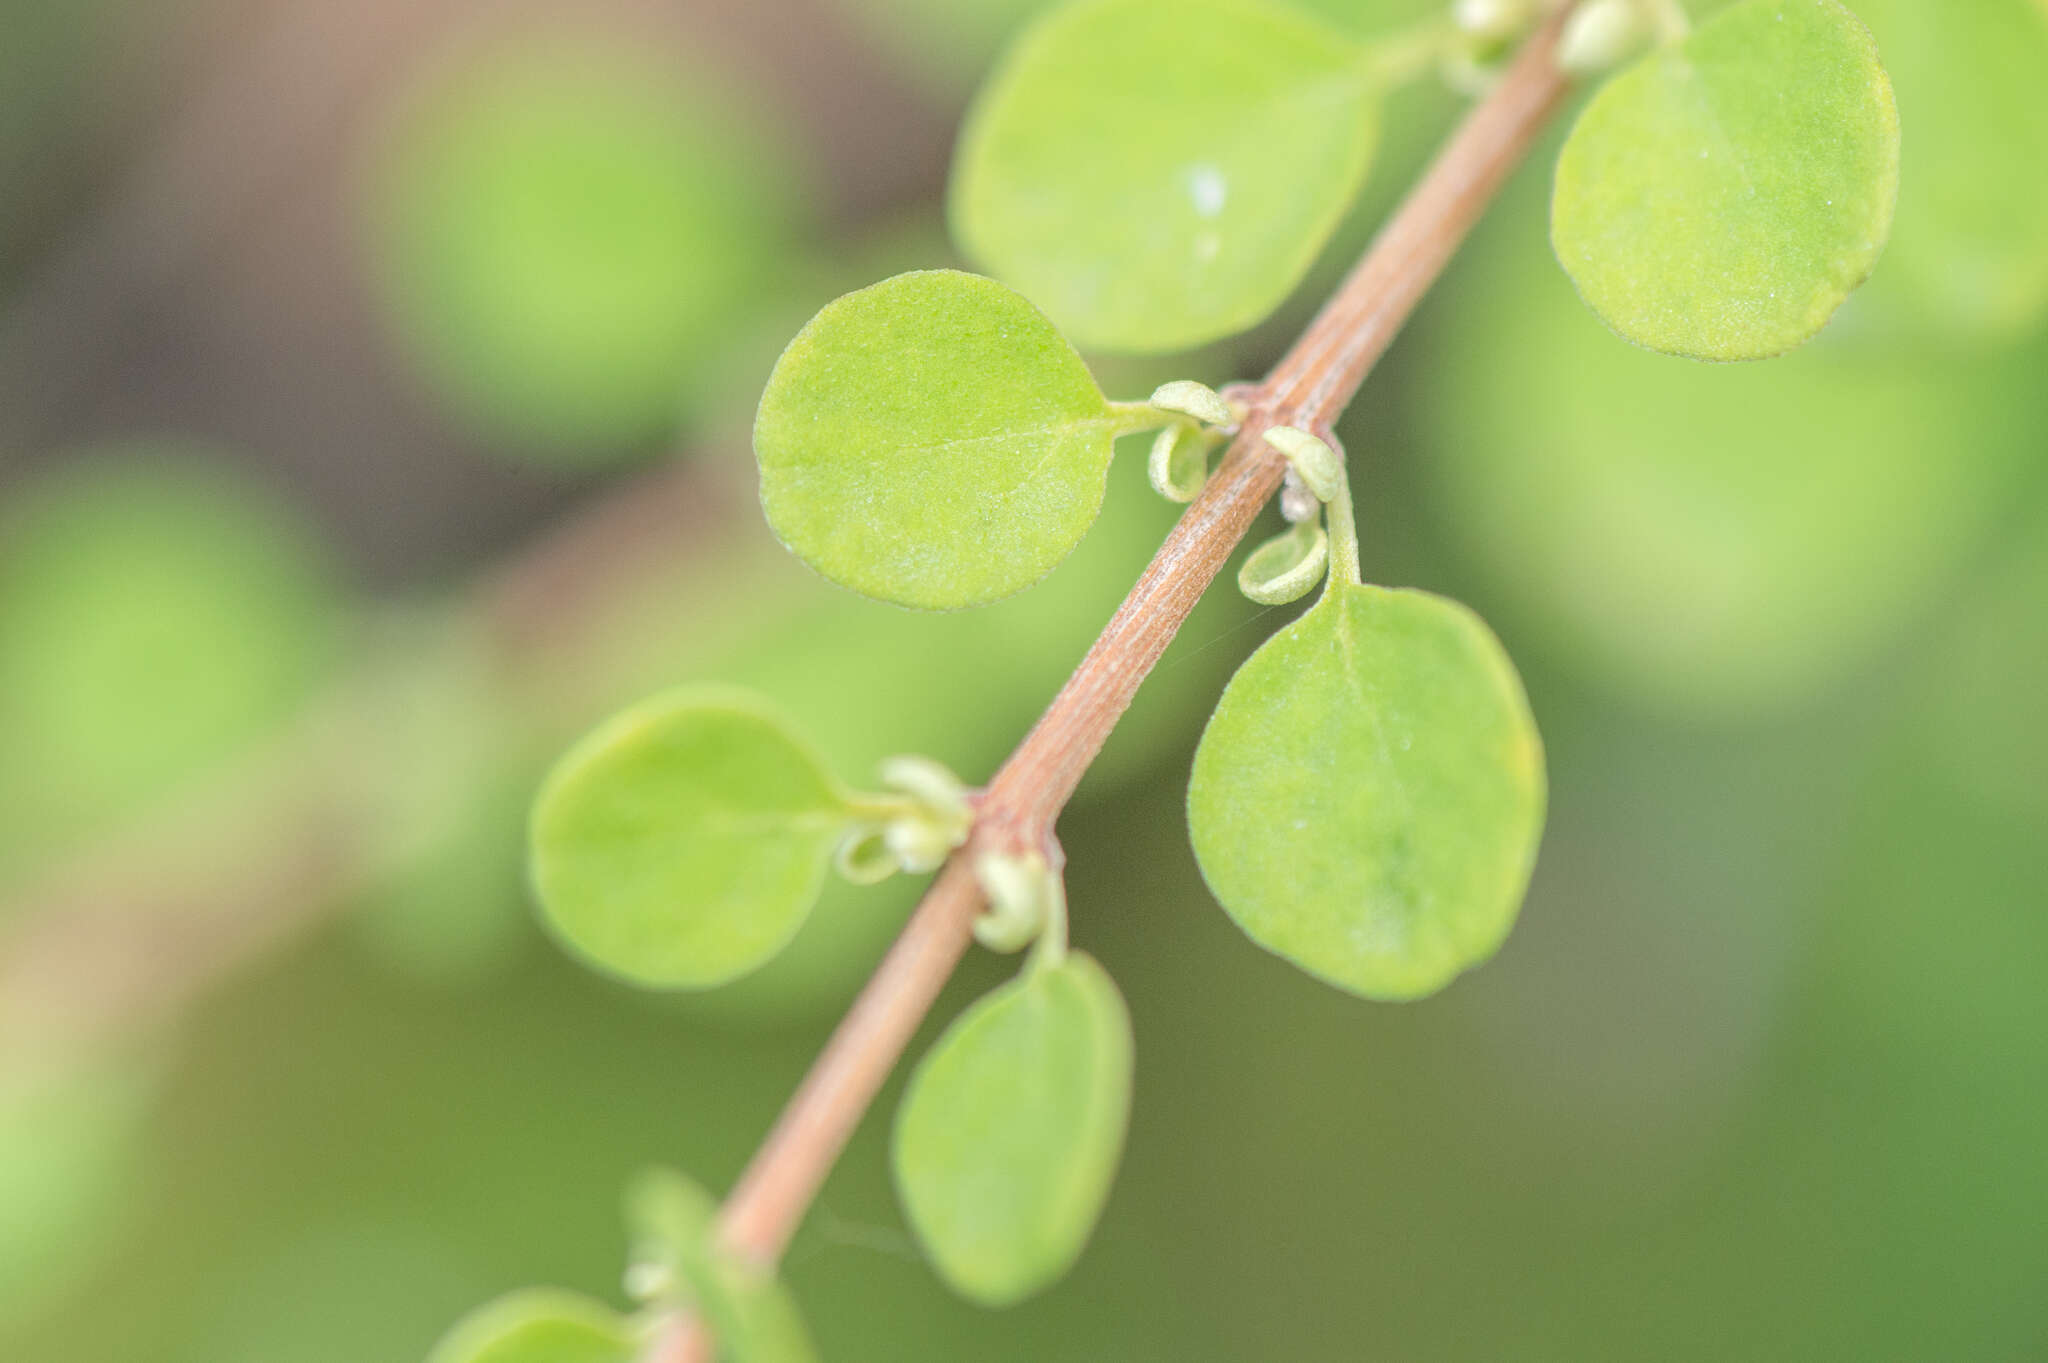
x,y
1722,197
1368,797
1009,1135
683,842
1156,174
539,1325
933,441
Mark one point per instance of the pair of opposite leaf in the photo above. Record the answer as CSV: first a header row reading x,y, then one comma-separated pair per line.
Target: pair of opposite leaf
x,y
683,843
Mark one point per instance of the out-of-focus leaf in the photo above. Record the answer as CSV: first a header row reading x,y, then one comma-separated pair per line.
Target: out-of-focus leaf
x,y
1969,251
563,231
157,613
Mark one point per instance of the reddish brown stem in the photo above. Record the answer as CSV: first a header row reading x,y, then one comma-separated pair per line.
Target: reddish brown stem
x,y
1309,388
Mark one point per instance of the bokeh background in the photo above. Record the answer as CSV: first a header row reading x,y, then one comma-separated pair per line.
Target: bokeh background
x,y
374,388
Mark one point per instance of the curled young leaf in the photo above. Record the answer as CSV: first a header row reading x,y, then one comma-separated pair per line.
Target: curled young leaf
x,y
1367,798
1320,468
1009,1134
1179,464
683,842
1722,197
1159,173
931,440
864,856
1197,400
1286,567
539,1325
934,787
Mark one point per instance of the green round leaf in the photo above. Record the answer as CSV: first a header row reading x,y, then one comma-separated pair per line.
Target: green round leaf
x,y
1010,1131
932,441
683,842
1723,196
1969,252
1159,173
564,231
539,1325
1368,796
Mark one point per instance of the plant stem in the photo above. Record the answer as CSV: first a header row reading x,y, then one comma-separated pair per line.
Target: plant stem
x,y
1309,389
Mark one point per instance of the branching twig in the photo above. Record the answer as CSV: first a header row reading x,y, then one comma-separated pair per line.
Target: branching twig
x,y
1309,389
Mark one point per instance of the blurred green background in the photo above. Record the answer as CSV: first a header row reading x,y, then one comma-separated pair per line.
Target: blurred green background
x,y
374,382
